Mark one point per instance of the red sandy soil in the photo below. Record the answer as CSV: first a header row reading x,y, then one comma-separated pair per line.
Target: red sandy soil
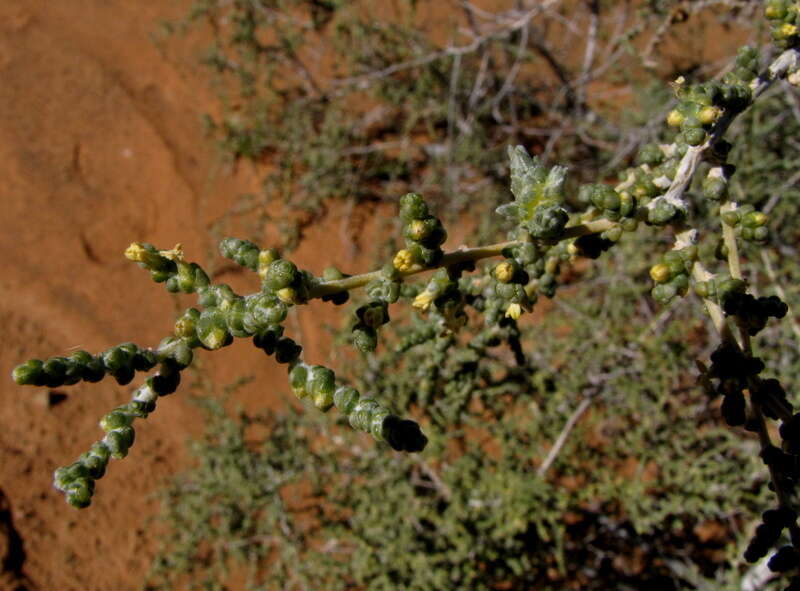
x,y
100,145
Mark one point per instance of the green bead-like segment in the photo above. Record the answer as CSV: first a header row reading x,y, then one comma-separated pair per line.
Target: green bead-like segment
x,y
661,212
212,329
365,338
315,381
298,379
121,362
321,385
177,351
77,481
615,205
242,252
413,207
318,383
262,311
280,274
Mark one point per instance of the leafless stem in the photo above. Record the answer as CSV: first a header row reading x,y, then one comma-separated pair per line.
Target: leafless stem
x,y
564,435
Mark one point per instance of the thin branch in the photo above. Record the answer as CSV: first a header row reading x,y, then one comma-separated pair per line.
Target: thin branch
x,y
461,255
363,80
562,437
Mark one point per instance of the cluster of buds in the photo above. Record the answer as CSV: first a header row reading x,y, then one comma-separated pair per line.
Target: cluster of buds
x,y
715,185
618,206
784,19
719,288
638,196
671,275
752,224
511,280
701,105
282,278
371,316
424,235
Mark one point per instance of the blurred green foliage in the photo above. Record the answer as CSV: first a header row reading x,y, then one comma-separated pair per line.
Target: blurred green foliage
x,y
364,101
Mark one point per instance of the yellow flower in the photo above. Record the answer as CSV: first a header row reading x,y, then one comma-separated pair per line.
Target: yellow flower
x,y
504,272
139,254
175,254
423,301
136,252
404,260
514,311
660,273
786,30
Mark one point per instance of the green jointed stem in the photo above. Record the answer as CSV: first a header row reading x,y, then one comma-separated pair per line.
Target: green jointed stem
x,y
462,255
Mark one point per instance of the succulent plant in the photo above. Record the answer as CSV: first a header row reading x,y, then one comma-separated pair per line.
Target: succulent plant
x,y
545,236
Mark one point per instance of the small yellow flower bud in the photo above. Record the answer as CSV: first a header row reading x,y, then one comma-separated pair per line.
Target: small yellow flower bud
x,y
184,327
773,12
786,30
514,311
404,260
674,119
287,295
660,273
265,258
504,272
215,338
709,115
